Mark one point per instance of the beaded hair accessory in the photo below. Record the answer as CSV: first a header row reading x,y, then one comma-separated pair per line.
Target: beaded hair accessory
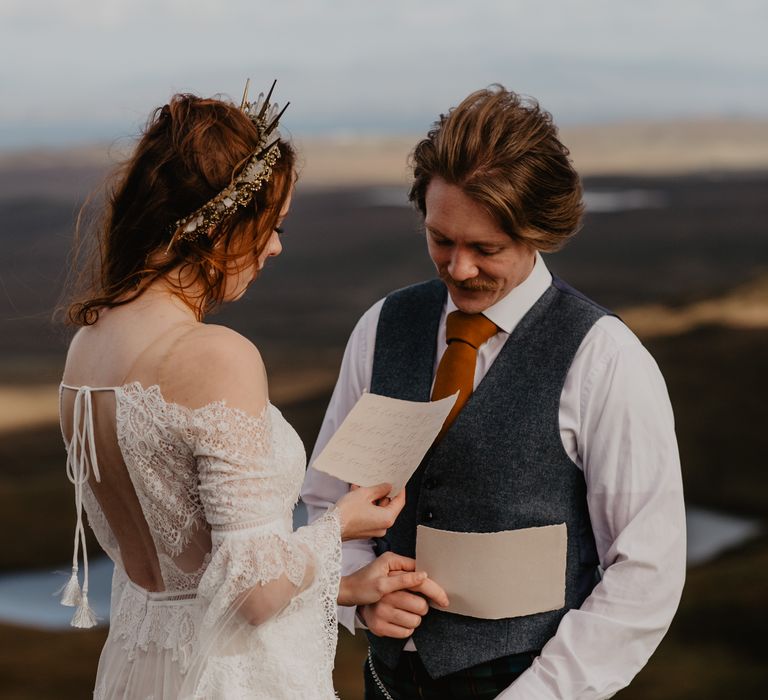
x,y
241,190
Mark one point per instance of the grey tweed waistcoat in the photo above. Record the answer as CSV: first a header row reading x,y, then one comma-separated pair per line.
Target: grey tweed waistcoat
x,y
500,466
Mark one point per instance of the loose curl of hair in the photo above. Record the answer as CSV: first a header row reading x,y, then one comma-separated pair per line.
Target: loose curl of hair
x,y
190,150
503,151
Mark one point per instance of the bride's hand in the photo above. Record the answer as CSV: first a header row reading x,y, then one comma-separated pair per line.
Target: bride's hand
x,y
386,574
367,512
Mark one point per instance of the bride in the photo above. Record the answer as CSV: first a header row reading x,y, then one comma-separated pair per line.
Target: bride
x,y
186,471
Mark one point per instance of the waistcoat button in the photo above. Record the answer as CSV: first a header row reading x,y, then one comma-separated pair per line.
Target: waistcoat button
x,y
430,483
427,515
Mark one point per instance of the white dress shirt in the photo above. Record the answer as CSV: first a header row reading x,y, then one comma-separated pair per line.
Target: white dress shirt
x,y
616,424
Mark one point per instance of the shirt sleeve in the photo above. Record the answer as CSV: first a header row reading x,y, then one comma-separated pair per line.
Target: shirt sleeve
x,y
321,490
628,451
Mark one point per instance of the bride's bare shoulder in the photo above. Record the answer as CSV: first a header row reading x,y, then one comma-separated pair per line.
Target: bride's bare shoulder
x,y
212,363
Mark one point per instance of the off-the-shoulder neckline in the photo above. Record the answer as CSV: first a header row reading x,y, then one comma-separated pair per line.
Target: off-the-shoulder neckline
x,y
156,390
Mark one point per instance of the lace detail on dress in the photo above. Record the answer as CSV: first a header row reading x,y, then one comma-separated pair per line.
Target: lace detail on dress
x,y
176,579
326,542
292,654
217,487
222,430
245,560
140,619
249,466
150,433
269,592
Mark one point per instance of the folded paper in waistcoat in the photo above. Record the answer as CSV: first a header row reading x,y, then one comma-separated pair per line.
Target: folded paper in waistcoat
x,y
494,575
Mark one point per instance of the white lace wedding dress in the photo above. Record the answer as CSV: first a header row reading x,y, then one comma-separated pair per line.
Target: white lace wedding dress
x,y
247,607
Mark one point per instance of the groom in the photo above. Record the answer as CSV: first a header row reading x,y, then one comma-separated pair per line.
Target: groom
x,y
563,417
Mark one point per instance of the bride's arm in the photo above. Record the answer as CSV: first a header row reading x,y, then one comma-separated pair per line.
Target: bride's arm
x,y
356,515
258,565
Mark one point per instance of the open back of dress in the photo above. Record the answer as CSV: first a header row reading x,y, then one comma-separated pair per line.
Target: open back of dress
x,y
138,481
213,594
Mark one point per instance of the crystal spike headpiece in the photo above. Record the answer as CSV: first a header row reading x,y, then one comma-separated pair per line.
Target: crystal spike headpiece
x,y
257,170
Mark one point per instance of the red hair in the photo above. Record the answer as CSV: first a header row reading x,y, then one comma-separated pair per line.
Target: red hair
x,y
190,150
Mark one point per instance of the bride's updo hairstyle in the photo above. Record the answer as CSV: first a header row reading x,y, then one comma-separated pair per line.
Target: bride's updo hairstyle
x,y
191,149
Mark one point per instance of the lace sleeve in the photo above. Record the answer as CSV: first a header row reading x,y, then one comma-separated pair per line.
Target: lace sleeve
x,y
261,572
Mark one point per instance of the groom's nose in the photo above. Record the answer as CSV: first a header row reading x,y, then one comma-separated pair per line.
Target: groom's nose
x,y
462,265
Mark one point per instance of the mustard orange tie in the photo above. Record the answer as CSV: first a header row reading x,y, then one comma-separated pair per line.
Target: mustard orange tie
x,y
464,333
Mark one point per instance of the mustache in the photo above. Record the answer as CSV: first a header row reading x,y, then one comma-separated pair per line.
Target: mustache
x,y
476,284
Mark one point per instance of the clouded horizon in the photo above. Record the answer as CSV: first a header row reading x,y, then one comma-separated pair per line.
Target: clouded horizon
x,y
84,70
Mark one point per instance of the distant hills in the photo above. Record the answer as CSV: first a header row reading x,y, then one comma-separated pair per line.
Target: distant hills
x,y
647,148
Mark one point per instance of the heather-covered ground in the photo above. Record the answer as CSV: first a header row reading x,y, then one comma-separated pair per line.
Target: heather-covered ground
x,y
689,241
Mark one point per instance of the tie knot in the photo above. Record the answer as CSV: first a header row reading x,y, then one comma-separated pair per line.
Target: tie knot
x,y
473,329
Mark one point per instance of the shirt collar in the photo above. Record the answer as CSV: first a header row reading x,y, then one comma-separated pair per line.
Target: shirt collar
x,y
507,312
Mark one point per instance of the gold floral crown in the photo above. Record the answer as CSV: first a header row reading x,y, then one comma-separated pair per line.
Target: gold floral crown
x,y
241,190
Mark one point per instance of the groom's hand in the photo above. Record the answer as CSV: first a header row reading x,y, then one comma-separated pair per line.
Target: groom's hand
x,y
398,613
386,574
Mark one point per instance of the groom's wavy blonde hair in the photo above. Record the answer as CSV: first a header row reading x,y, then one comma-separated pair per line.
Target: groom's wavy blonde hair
x,y
503,151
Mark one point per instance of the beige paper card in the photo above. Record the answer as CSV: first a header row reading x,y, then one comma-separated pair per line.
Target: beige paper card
x,y
383,440
497,574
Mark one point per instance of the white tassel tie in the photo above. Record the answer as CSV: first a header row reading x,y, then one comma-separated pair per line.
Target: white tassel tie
x,y
84,616
81,458
70,591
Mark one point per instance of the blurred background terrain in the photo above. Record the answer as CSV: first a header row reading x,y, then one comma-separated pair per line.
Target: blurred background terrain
x,y
664,110
682,257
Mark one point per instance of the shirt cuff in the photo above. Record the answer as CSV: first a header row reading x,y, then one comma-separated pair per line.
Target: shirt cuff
x,y
528,686
346,616
350,617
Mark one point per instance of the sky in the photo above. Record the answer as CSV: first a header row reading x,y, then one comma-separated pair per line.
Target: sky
x,y
92,70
